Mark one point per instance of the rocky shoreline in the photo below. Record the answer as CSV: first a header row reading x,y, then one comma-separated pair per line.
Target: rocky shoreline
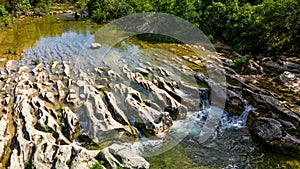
x,y
49,110
48,115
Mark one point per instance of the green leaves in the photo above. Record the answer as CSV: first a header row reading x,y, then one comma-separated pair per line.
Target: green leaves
x,y
24,5
4,16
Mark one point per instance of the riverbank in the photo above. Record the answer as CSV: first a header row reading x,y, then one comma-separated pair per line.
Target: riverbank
x,y
61,95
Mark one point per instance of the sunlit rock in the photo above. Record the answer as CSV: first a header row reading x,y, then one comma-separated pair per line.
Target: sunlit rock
x,y
96,46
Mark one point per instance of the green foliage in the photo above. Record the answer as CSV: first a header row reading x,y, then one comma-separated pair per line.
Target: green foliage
x,y
249,26
24,6
60,108
4,16
5,147
97,165
51,62
36,61
241,63
46,128
28,164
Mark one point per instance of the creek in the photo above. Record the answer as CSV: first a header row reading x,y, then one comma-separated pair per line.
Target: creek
x,y
229,145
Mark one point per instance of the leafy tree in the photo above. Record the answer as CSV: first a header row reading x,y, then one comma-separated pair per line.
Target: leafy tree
x,y
24,6
4,16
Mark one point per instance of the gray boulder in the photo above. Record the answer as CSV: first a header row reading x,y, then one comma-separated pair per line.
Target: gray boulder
x,y
121,156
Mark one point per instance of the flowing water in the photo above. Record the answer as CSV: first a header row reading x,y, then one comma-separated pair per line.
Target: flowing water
x,y
230,144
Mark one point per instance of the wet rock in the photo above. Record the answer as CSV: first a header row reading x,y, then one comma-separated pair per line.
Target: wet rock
x,y
273,122
291,80
266,104
121,156
234,104
270,131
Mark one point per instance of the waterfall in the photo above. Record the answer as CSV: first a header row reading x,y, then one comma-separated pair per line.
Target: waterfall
x,y
141,135
204,98
236,122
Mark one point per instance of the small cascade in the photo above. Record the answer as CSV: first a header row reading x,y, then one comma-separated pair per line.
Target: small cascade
x,y
141,135
204,98
237,122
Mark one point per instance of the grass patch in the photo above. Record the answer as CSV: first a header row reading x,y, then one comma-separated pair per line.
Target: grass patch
x,y
36,61
51,62
241,63
44,128
60,107
28,164
97,165
11,51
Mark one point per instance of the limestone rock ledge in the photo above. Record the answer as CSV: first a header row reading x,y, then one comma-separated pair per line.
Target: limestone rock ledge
x,y
44,111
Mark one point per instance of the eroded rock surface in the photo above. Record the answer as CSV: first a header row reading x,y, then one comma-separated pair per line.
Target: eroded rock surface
x,y
51,111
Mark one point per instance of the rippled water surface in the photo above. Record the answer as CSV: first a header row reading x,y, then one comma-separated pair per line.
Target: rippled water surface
x,y
231,145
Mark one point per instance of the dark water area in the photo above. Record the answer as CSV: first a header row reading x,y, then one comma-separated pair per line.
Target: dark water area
x,y
231,145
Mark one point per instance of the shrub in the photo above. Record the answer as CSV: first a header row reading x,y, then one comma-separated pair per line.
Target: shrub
x,y
36,61
97,165
241,63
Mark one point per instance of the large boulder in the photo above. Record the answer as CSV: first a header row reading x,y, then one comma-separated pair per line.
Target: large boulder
x,y
272,132
147,119
97,121
121,156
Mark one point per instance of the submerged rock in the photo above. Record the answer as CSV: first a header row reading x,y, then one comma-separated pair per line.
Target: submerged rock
x,y
96,46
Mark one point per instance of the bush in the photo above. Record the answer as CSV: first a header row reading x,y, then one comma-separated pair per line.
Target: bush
x,y
241,63
4,16
97,165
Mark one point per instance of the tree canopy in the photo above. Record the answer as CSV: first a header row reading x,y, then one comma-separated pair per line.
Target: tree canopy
x,y
249,26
